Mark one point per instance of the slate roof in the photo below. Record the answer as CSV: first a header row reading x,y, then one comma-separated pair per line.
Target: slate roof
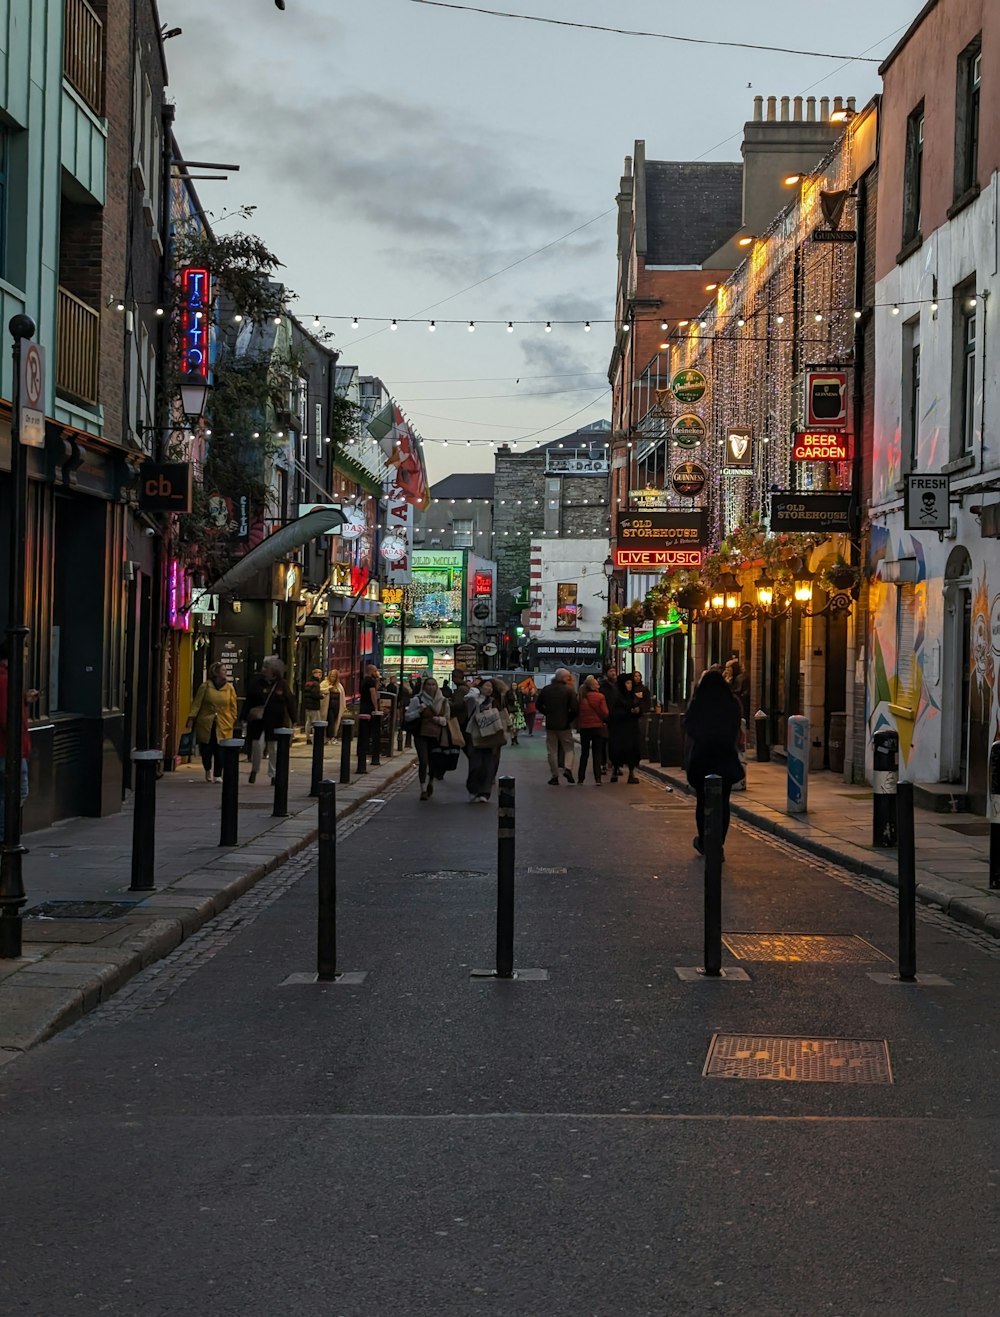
x,y
595,436
692,208
464,484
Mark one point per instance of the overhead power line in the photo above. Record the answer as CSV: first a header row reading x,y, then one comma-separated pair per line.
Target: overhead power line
x,y
635,32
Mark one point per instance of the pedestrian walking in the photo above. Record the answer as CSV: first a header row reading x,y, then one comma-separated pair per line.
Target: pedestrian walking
x,y
268,706
312,702
460,687
213,717
426,719
368,703
712,724
29,697
515,715
528,697
592,719
558,704
334,705
486,735
623,731
608,685
645,697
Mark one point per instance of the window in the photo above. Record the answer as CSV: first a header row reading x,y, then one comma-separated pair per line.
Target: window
x,y
913,174
3,200
906,610
567,613
911,394
461,533
318,429
963,393
967,118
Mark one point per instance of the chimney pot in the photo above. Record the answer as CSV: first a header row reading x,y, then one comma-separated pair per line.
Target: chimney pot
x,y
851,102
772,102
784,109
797,109
810,109
824,108
758,108
838,103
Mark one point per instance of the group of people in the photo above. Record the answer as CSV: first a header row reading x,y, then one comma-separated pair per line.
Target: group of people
x,y
468,715
608,714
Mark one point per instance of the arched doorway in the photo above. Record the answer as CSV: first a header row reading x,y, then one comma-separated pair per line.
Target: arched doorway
x,y
959,730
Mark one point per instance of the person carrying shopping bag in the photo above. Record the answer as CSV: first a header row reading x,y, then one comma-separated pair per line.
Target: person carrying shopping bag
x,y
486,735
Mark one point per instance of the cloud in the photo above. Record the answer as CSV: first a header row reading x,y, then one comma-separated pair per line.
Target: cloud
x,y
550,355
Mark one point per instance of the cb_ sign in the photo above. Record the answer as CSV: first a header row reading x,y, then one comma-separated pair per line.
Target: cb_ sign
x,y
165,487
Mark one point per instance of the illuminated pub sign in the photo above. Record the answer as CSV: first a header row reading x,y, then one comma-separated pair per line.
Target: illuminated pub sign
x,y
650,560
820,446
195,288
482,584
661,530
826,399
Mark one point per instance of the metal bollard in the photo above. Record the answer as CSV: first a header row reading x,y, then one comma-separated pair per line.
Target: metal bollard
x,y
885,776
713,876
144,820
346,735
389,721
760,732
326,910
798,765
505,879
906,862
376,739
993,814
671,740
283,735
653,754
319,749
364,740
229,832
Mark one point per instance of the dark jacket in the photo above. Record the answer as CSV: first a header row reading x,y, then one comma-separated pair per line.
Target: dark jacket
x,y
623,727
369,695
312,693
712,723
459,708
558,703
276,700
643,695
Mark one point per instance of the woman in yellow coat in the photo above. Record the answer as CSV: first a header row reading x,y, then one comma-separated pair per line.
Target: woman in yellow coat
x,y
213,717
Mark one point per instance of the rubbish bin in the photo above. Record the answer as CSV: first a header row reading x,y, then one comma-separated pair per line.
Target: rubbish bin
x,y
837,742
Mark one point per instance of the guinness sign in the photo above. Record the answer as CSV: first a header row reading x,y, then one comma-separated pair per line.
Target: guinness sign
x,y
688,479
739,450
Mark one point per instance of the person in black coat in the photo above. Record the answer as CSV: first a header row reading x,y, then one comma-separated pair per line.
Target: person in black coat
x,y
712,724
624,715
268,706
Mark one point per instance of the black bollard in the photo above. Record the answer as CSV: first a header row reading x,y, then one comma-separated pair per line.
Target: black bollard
x,y
653,754
346,735
229,832
144,820
885,771
993,814
505,880
907,880
760,732
319,747
376,739
326,910
283,735
713,876
671,740
389,722
364,739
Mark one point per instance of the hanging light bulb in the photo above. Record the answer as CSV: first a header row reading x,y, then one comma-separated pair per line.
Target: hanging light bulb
x,y
510,326
548,326
586,327
741,322
159,310
394,325
277,321
895,310
472,326
818,316
626,327
237,319
354,323
316,322
934,306
703,324
664,325
431,327
857,314
779,320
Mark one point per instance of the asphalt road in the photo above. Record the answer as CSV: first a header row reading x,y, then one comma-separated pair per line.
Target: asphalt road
x,y
424,1143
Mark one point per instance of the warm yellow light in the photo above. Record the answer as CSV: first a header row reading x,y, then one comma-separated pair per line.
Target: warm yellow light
x,y
840,116
664,347
792,179
803,592
732,602
765,595
718,600
710,288
746,240
682,323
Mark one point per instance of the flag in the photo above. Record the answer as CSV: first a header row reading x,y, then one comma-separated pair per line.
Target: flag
x,y
403,453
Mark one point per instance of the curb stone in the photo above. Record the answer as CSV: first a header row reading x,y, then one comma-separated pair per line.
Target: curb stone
x,y
966,905
35,1004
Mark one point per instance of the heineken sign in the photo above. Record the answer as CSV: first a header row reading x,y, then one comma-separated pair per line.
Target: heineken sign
x,y
689,386
688,430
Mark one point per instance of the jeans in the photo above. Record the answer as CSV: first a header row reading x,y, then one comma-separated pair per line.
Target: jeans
x,y
257,752
483,765
424,745
699,809
211,754
593,740
312,716
3,790
553,742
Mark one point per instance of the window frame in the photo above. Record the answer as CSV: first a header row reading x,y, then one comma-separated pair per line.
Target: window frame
x,y
967,118
964,366
456,542
913,173
567,606
911,394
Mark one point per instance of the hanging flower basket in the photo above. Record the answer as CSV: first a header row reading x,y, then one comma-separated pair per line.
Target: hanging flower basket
x,y
839,576
690,597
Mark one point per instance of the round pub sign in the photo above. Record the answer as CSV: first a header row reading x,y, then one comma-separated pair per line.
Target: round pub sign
x,y
688,430
689,385
688,479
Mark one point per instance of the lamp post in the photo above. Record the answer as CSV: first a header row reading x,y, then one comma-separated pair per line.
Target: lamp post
x,y
12,894
609,572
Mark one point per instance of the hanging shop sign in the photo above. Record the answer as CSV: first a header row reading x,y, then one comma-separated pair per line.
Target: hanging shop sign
x,y
926,502
689,386
739,451
827,513
566,653
826,399
229,517
481,611
661,530
392,604
648,500
835,235
467,657
688,479
655,560
482,583
195,290
165,487
688,430
820,446
355,523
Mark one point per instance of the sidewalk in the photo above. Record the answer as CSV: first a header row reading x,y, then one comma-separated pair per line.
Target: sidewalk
x,y
69,965
952,849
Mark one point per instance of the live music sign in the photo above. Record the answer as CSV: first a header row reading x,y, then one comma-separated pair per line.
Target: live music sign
x,y
649,560
820,446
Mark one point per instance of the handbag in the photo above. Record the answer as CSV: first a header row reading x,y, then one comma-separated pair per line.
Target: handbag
x,y
256,714
185,746
455,733
443,759
488,722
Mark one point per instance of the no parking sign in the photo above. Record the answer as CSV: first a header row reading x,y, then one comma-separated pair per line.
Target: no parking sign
x,y
31,423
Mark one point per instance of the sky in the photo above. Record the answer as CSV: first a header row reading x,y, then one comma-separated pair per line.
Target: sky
x,y
398,152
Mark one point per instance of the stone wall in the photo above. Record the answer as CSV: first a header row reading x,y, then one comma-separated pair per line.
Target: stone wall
x,y
518,513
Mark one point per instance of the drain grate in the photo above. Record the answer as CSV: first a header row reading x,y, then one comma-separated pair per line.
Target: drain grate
x,y
974,828
81,910
540,868
814,948
447,875
803,1060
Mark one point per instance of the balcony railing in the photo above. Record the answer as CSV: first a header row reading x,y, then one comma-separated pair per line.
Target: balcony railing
x,y
83,51
78,334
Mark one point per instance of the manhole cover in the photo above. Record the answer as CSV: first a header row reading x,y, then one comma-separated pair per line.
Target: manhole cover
x,y
551,869
809,1060
815,948
447,875
974,828
81,910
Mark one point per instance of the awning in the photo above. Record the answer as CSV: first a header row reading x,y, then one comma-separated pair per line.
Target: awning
x,y
273,549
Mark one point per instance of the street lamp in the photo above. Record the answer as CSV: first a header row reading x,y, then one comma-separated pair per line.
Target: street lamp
x,y
193,398
609,572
